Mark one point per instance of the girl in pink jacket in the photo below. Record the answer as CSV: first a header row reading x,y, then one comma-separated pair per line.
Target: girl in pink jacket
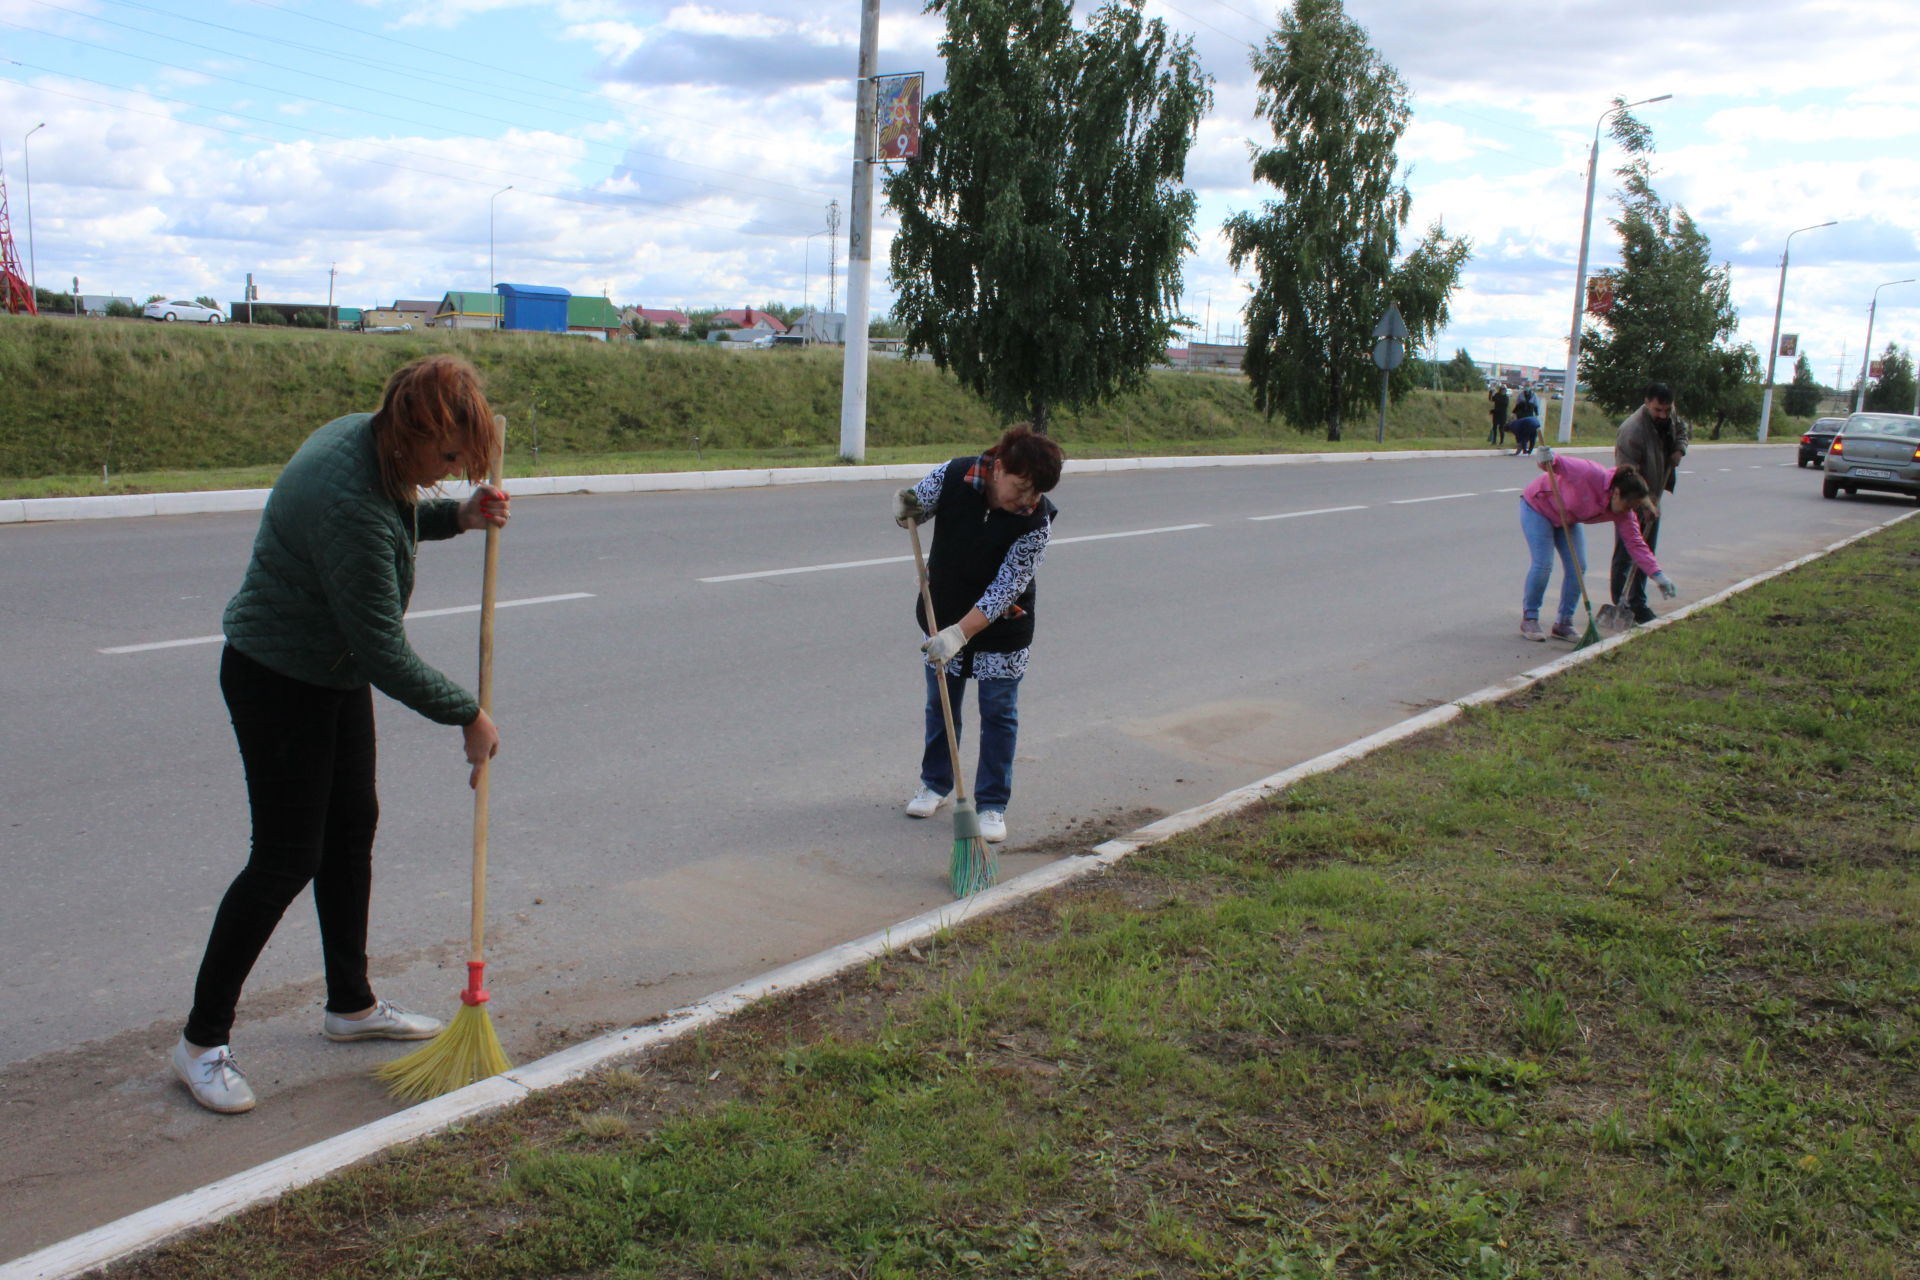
x,y
1590,494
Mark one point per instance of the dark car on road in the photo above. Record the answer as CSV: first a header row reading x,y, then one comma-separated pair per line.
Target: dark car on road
x,y
1876,451
1813,445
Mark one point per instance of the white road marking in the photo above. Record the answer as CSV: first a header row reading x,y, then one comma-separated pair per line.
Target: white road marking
x,y
862,564
416,613
1515,489
1438,497
1317,511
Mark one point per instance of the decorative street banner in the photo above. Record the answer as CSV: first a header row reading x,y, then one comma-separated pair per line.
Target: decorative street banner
x,y
1877,370
1789,345
897,99
1599,294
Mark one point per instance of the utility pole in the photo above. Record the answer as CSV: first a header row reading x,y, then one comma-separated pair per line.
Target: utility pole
x,y
833,247
853,379
333,317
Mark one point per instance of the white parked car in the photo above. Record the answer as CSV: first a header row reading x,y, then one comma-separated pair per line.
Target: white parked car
x,y
179,310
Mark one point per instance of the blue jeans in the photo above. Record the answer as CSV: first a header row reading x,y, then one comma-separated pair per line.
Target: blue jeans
x,y
999,730
1543,539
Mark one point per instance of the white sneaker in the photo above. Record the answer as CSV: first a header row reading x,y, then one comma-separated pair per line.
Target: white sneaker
x,y
386,1022
993,825
213,1078
926,802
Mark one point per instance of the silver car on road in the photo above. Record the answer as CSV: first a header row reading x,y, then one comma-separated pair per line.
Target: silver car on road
x,y
1877,451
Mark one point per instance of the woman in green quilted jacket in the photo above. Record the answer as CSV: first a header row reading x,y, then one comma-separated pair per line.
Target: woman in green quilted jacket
x,y
315,627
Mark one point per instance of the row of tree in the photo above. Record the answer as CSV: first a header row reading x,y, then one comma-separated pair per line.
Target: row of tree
x,y
1043,228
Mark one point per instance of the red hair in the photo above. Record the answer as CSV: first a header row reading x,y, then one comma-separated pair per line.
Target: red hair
x,y
438,399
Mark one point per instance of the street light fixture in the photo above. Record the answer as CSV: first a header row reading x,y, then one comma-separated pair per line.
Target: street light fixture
x,y
492,284
1766,397
26,156
1580,277
1860,400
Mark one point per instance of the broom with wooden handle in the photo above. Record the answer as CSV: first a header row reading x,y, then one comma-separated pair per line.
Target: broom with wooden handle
x,y
467,1050
972,866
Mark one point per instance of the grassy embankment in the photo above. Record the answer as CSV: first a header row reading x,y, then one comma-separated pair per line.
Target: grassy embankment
x,y
1617,978
185,407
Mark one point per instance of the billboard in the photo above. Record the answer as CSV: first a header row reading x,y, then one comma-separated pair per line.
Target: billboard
x,y
897,116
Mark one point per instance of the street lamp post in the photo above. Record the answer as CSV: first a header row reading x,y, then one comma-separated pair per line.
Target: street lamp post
x,y
26,159
806,278
491,282
1580,276
1866,357
1766,397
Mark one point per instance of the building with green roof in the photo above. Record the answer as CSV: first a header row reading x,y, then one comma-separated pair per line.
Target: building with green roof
x,y
462,310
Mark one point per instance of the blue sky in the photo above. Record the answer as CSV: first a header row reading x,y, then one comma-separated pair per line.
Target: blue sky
x,y
683,154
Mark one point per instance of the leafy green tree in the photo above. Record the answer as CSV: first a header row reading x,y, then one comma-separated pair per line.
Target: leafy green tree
x,y
1325,255
1804,393
1893,393
1043,226
204,301
1672,318
1461,373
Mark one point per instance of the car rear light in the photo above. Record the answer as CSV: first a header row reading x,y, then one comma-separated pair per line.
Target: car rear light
x,y
1806,439
1835,446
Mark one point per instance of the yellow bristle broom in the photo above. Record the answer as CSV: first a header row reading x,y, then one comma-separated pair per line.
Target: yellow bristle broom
x,y
467,1050
972,866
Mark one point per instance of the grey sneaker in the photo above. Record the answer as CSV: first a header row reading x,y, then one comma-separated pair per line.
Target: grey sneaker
x,y
993,825
1564,631
1530,629
926,802
213,1078
386,1022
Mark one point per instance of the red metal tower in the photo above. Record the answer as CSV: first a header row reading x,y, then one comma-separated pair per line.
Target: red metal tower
x,y
17,292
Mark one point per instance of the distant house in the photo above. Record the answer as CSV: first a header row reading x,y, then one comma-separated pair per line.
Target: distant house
x,y
407,311
594,316
96,304
821,326
463,310
535,308
348,317
655,316
746,318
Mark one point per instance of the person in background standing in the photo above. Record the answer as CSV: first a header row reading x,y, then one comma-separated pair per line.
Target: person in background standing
x,y
1652,441
1528,406
1497,395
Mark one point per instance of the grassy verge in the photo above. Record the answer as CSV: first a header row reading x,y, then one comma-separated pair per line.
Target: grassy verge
x,y
1617,978
131,407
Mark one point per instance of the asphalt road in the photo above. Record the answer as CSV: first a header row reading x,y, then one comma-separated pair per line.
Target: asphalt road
x,y
707,740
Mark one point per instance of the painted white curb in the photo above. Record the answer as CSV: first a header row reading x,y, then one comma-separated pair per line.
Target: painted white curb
x,y
25,510
209,1204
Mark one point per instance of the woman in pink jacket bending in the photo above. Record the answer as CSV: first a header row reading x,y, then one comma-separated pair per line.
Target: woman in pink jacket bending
x,y
1588,494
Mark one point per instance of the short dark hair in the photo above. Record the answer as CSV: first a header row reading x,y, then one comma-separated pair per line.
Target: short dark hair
x,y
1026,453
1659,392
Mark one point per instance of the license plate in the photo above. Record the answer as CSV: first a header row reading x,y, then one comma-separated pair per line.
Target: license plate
x,y
1872,473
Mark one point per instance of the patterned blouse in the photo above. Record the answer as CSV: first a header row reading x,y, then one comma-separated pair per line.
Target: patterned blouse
x,y
1016,571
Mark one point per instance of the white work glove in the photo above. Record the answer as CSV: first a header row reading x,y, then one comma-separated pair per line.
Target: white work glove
x,y
906,507
1667,589
1545,458
943,644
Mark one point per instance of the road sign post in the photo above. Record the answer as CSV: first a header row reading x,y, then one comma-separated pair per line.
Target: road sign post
x,y
1389,349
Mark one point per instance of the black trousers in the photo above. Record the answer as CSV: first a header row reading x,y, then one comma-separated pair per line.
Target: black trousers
x,y
309,756
1623,564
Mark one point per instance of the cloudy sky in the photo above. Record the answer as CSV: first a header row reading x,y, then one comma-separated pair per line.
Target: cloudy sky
x,y
684,154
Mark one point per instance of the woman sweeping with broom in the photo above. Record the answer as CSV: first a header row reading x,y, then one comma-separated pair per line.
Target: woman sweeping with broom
x,y
993,520
1577,492
316,625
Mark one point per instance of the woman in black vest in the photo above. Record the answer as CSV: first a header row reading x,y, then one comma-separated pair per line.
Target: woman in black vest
x,y
993,523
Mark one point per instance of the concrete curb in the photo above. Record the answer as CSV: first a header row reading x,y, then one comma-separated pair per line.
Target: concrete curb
x,y
113,506
155,1226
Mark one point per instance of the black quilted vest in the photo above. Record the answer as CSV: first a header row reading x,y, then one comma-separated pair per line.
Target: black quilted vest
x,y
970,542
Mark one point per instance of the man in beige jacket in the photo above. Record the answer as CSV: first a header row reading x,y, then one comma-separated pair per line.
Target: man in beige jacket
x,y
1654,441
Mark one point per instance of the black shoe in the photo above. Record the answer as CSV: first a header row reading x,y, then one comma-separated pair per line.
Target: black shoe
x,y
1642,614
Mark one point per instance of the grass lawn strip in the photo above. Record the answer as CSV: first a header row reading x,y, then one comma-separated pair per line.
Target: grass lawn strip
x,y
1614,978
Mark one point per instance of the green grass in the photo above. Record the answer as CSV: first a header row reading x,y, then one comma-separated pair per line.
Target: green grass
x,y
132,407
1616,978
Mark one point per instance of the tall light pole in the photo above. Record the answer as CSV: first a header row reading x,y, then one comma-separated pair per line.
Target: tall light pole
x,y
1766,397
1580,276
26,158
853,376
1866,357
806,278
491,282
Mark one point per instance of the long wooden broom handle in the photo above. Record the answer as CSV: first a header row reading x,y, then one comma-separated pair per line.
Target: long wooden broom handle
x,y
1579,565
477,928
940,677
